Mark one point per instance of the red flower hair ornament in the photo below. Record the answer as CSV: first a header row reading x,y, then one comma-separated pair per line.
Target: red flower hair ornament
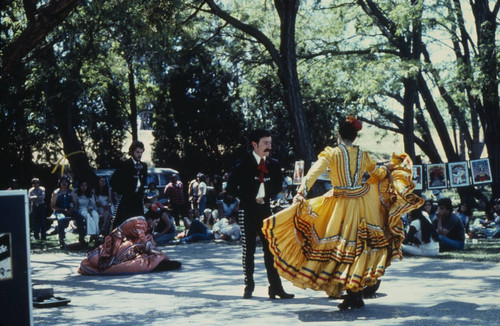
x,y
355,123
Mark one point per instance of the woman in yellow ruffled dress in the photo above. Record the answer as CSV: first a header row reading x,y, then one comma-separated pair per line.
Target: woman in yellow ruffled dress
x,y
345,239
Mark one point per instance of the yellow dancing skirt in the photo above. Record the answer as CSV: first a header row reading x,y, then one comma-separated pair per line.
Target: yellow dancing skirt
x,y
341,241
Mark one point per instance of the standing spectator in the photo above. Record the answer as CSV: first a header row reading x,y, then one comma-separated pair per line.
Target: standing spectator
x,y
193,191
104,204
63,203
87,207
129,181
450,228
202,193
174,191
256,180
36,195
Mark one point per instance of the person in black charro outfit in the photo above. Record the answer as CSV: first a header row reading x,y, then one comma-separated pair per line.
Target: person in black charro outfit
x,y
256,180
129,181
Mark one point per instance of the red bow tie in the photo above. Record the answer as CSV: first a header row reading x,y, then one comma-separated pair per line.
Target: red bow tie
x,y
262,169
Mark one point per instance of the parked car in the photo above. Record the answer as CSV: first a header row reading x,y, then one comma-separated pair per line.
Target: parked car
x,y
160,176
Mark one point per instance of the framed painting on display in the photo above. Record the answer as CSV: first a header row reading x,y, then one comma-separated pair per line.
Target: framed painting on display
x,y
459,174
418,177
436,176
481,172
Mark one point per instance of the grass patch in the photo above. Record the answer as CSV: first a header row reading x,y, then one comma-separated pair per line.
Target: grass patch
x,y
485,250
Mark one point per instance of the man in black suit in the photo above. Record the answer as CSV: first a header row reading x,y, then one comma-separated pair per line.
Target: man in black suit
x,y
256,180
129,181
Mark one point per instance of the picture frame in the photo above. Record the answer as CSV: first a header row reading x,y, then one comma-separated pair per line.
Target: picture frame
x,y
459,174
298,172
436,176
418,177
481,171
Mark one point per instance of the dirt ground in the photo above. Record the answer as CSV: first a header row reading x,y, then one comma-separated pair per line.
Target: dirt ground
x,y
208,290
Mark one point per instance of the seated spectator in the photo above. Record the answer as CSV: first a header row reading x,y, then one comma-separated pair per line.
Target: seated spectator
x,y
196,230
208,218
429,209
450,228
165,230
152,194
104,204
36,196
489,227
228,206
422,238
464,213
87,207
62,203
129,249
227,229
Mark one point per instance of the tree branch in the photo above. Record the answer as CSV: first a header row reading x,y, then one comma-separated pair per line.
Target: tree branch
x,y
44,21
250,30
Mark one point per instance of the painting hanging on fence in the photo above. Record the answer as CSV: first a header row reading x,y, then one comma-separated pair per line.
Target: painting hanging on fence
x,y
436,176
481,172
418,177
459,174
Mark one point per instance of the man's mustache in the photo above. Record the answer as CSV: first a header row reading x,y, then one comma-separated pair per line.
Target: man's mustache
x,y
267,150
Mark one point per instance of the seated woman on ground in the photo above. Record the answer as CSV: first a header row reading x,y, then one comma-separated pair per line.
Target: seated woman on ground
x,y
165,230
429,209
208,218
196,230
422,238
228,205
129,249
227,228
464,213
489,227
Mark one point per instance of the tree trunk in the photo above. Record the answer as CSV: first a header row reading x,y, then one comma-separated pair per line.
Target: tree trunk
x,y
133,100
486,28
287,72
59,100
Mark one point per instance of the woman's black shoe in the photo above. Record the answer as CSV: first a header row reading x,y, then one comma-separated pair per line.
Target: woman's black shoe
x,y
280,293
353,300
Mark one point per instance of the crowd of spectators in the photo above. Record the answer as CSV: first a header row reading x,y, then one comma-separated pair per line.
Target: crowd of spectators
x,y
203,211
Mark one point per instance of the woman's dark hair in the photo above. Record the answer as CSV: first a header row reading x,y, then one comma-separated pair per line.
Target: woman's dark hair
x,y
61,180
104,191
347,131
427,228
468,209
135,144
79,192
150,214
433,207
